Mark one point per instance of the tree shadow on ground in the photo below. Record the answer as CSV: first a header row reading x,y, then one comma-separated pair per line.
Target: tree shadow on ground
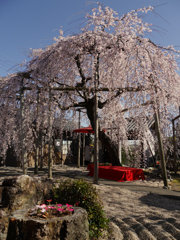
x,y
168,202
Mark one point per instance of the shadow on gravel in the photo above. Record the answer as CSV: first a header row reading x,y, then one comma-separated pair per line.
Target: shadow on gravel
x,y
162,201
9,171
6,172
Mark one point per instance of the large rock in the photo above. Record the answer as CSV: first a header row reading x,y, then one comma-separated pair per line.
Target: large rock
x,y
71,227
4,223
24,191
115,232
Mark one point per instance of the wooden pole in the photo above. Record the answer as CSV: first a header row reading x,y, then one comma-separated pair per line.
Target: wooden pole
x,y
119,148
79,141
158,132
96,124
174,143
67,142
83,148
96,142
37,138
50,137
42,146
161,152
23,147
62,148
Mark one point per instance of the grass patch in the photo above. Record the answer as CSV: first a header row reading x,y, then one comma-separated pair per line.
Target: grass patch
x,y
176,181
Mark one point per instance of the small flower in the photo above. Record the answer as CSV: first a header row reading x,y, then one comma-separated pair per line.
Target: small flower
x,y
68,205
51,207
38,206
71,209
77,204
43,205
59,205
33,213
43,210
60,209
49,201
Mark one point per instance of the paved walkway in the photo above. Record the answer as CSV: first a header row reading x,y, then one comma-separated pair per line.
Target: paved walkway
x,y
73,172
148,189
127,185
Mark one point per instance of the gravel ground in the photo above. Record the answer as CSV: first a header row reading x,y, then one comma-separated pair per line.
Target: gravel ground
x,y
136,215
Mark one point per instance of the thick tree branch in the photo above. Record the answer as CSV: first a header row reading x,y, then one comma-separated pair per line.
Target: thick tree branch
x,y
74,105
119,92
83,78
141,105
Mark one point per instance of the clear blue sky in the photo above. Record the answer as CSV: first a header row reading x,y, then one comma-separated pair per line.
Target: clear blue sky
x,y
26,24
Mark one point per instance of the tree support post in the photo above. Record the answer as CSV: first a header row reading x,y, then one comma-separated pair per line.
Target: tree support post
x,y
161,152
174,143
37,138
79,141
96,141
24,153
96,124
62,148
42,152
83,148
50,137
119,148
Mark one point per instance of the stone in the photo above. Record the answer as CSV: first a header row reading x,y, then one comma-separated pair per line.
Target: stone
x,y
24,191
4,223
3,236
19,193
2,213
70,227
115,232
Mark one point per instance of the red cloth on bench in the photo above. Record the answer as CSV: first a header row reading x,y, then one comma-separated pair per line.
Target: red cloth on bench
x,y
118,173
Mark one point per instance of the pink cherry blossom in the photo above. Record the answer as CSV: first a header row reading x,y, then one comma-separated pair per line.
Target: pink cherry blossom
x,y
134,78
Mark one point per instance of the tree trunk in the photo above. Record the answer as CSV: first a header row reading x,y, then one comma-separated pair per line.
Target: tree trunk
x,y
161,151
69,227
106,141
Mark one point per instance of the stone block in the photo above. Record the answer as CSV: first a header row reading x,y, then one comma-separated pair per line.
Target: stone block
x,y
70,227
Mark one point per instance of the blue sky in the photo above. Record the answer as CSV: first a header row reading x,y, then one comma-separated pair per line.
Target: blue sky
x,y
26,24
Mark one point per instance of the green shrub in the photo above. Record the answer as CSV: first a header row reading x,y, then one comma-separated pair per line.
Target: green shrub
x,y
105,164
83,194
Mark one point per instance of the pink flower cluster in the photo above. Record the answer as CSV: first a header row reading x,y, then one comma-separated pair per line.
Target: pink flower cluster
x,y
43,209
69,207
